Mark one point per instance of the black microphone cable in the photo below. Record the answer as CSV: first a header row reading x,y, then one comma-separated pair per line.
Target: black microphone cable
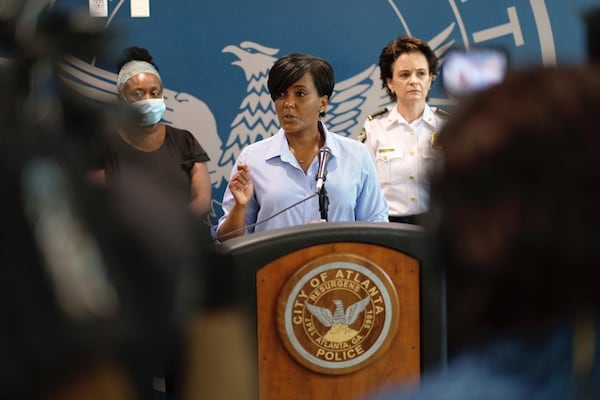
x,y
220,238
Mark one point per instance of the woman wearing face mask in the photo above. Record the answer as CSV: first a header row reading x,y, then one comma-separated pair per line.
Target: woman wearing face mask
x,y
172,156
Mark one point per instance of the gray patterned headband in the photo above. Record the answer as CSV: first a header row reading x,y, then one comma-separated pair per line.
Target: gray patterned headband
x,y
133,68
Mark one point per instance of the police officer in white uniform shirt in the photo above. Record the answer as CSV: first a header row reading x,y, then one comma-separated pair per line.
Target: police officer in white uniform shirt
x,y
402,138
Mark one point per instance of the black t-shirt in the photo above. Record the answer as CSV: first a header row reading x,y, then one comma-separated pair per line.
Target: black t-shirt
x,y
171,164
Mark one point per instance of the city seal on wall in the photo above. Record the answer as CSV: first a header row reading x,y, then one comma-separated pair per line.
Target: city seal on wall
x,y
337,314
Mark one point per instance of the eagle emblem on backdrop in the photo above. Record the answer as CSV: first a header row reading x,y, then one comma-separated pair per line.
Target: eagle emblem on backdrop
x,y
355,96
352,101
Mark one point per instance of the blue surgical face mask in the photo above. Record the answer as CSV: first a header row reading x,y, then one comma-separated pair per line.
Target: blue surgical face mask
x,y
151,110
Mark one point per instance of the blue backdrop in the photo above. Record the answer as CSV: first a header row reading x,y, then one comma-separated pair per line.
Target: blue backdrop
x,y
214,55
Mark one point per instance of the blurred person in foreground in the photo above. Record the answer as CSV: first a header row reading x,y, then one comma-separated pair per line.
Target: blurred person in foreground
x,y
279,171
90,295
516,221
401,138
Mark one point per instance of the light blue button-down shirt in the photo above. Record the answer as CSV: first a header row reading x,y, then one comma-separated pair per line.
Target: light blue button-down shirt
x,y
279,181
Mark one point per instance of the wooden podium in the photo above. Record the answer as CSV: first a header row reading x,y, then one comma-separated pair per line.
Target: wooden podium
x,y
342,310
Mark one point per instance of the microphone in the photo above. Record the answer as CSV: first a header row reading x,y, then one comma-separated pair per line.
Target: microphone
x,y
324,156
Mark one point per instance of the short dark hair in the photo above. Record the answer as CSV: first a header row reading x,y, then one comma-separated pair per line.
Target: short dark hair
x,y
403,45
289,69
516,203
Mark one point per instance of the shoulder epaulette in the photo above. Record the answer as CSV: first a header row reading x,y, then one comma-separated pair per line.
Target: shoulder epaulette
x,y
377,113
441,113
362,137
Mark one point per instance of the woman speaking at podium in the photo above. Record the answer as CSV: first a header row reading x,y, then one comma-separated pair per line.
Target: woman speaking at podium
x,y
282,170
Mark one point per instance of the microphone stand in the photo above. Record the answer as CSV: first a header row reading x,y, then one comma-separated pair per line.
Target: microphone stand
x,y
323,203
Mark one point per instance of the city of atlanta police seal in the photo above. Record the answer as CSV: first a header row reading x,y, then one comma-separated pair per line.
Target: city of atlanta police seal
x,y
337,313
